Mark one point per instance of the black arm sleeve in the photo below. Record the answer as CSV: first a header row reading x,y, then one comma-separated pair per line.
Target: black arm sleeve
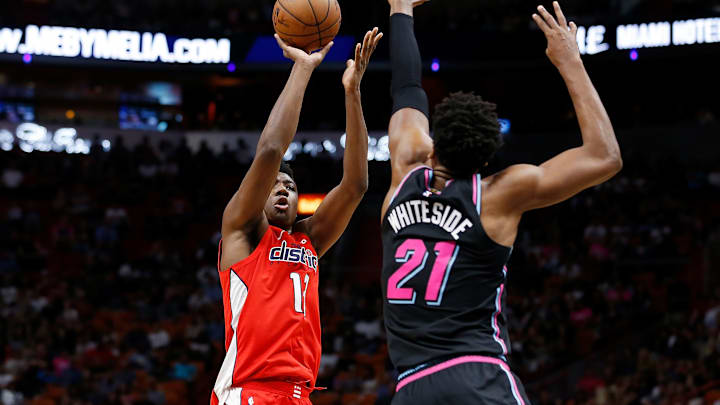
x,y
407,91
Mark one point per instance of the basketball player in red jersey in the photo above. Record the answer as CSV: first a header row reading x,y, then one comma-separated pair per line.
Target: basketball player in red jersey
x,y
268,262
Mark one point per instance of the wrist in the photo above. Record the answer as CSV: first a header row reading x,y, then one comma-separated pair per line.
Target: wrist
x,y
304,67
401,7
571,66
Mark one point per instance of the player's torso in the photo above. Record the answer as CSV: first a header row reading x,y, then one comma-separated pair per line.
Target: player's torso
x,y
443,278
272,310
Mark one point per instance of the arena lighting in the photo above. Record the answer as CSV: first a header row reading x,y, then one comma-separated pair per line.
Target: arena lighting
x,y
309,203
634,55
378,148
32,137
592,40
6,140
505,126
435,66
120,45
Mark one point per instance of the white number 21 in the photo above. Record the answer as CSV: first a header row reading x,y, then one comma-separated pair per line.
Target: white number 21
x,y
299,296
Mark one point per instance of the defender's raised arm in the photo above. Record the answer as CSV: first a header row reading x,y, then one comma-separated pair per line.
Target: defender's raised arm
x,y
598,159
409,130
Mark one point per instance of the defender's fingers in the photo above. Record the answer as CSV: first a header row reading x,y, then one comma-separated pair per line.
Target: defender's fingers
x,y
573,28
549,19
349,63
541,24
560,15
358,53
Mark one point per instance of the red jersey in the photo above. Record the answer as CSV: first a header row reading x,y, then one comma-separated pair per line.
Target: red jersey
x,y
272,314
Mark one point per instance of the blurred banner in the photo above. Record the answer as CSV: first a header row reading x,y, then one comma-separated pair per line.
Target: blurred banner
x,y
597,38
92,46
112,45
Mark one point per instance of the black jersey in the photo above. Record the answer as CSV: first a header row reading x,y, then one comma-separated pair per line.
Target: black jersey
x,y
443,278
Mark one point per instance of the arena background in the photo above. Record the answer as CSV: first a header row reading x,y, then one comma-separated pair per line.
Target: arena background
x,y
117,163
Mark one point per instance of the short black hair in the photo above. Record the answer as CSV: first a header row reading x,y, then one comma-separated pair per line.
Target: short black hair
x,y
466,133
285,168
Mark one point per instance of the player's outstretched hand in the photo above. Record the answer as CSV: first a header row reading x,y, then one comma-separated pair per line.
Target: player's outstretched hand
x,y
356,67
562,46
311,60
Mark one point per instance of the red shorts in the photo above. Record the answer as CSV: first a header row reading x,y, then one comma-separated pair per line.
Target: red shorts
x,y
266,393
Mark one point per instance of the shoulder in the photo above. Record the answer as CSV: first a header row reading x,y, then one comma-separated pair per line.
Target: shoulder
x,y
415,175
513,185
302,227
419,169
515,176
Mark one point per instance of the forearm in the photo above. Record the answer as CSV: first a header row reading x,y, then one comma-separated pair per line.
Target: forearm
x,y
285,116
597,130
406,65
355,165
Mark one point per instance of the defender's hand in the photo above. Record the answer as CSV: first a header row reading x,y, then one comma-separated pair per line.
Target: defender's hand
x,y
311,60
356,68
562,46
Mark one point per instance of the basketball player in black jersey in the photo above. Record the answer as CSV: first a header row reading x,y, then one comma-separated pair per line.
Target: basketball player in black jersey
x,y
448,233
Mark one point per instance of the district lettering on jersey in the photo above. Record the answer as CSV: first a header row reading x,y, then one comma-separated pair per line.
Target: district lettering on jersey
x,y
421,212
283,253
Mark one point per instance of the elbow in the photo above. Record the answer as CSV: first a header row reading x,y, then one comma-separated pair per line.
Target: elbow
x,y
363,187
360,188
357,188
270,150
613,164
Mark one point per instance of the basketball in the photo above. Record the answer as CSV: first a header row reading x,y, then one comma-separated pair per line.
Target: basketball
x,y
307,24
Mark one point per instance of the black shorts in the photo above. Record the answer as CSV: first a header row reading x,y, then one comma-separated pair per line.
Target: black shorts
x,y
473,380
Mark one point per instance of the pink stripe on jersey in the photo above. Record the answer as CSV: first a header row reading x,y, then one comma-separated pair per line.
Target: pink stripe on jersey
x,y
462,360
498,310
407,176
475,190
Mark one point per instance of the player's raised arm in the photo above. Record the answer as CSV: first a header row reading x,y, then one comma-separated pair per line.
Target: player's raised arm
x,y
333,215
598,159
244,212
409,131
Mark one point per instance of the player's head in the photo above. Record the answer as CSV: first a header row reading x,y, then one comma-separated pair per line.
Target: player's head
x,y
466,133
282,204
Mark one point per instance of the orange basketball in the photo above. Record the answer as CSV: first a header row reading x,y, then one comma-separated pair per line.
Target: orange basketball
x,y
307,24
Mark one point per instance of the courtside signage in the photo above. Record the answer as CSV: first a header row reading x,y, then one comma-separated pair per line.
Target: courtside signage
x,y
592,40
116,45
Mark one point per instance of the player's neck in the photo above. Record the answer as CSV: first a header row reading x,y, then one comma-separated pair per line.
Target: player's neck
x,y
289,230
441,176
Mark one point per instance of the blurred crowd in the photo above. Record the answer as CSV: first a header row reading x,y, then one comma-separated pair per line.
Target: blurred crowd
x,y
110,294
